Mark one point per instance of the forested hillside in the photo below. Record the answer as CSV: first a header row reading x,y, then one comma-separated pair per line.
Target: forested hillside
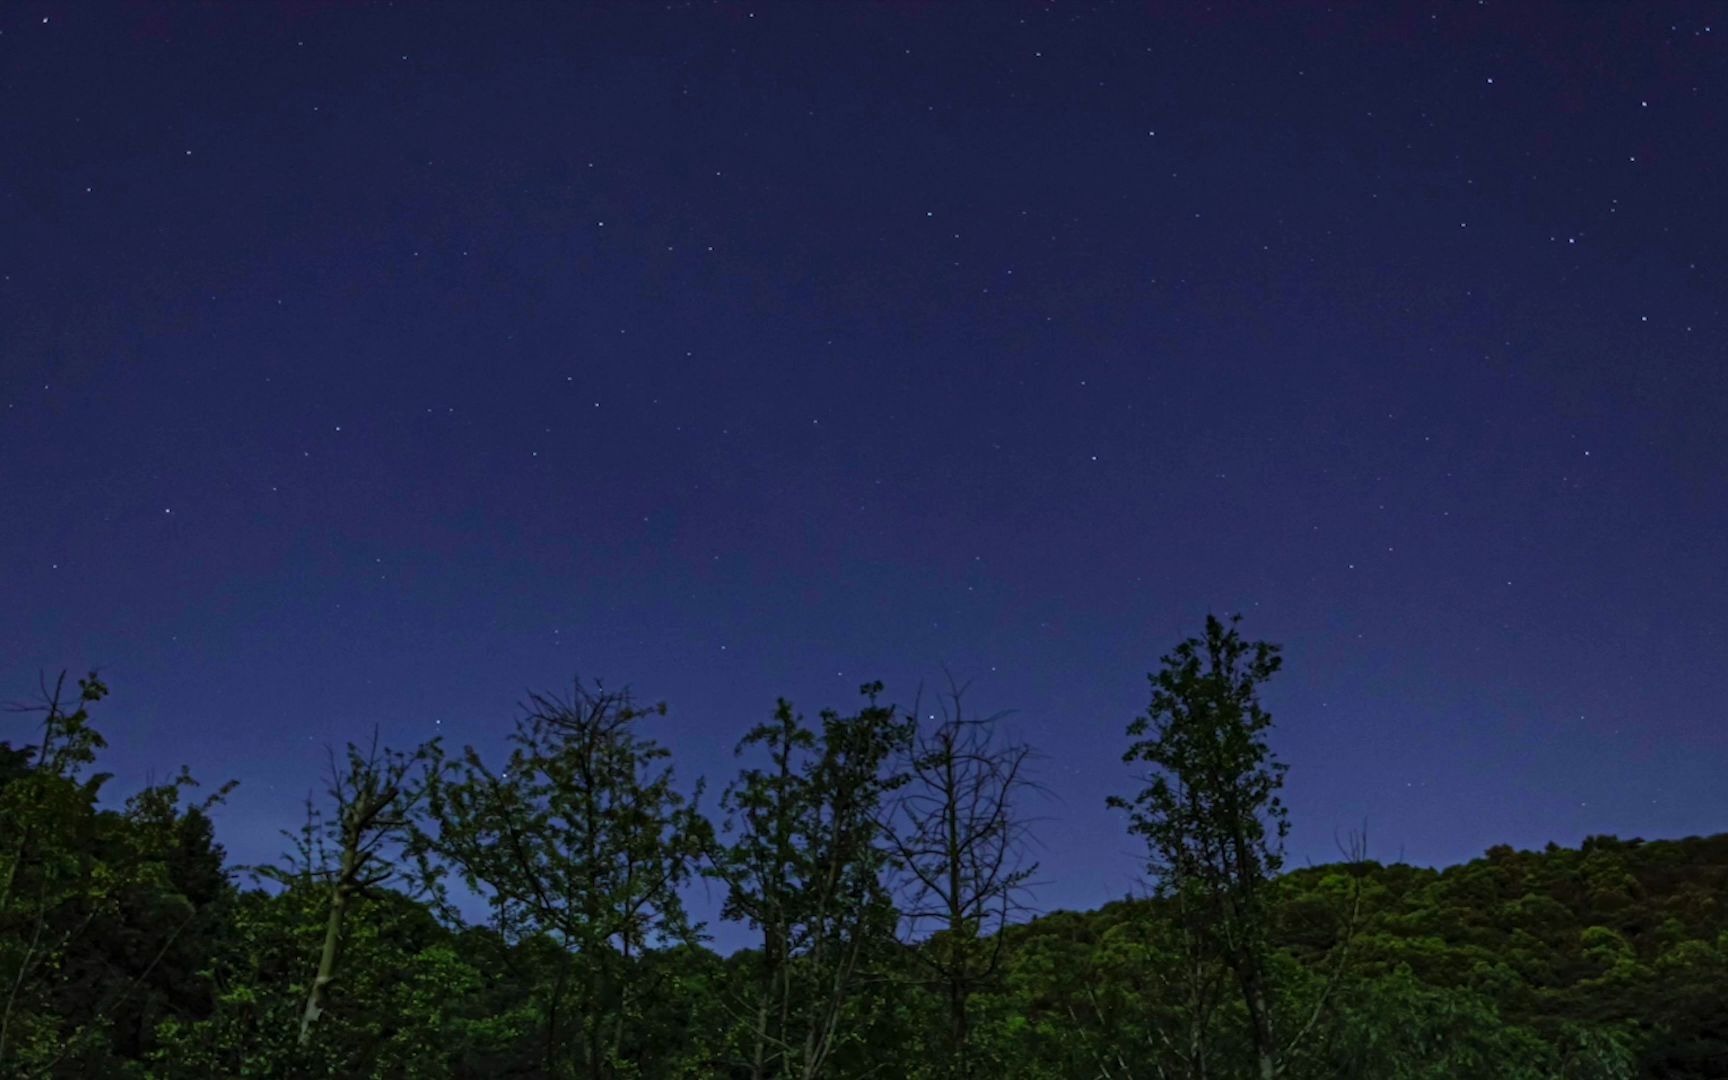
x,y
883,867
1519,963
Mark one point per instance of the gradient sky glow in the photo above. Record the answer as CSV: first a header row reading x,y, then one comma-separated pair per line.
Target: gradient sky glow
x,y
375,364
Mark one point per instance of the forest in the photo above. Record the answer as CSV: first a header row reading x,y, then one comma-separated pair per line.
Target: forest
x,y
445,912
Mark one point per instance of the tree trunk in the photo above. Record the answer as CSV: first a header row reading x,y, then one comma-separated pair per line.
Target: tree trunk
x,y
553,1007
594,1033
332,935
773,1000
1265,1050
758,1060
957,1028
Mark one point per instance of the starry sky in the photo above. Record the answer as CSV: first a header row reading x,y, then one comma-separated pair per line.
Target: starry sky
x,y
370,364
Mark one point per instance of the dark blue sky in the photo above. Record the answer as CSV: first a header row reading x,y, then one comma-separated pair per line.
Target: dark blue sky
x,y
374,364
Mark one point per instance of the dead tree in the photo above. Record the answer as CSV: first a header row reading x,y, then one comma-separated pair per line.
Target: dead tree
x,y
959,840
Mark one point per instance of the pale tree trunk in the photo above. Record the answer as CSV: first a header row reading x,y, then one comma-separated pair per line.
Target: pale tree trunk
x,y
759,1059
332,936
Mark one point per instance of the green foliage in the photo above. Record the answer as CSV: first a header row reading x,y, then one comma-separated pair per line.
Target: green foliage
x,y
1214,827
104,914
579,842
412,1001
1397,1028
805,866
125,950
374,794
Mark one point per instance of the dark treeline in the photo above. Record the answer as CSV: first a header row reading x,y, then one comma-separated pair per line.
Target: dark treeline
x,y
884,868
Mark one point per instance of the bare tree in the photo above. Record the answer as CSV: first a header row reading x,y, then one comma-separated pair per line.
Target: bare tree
x,y
959,840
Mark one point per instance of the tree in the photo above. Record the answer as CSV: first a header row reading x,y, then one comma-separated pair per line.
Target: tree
x,y
100,910
806,868
374,794
582,841
413,998
47,874
1210,814
143,958
959,844
1395,1028
126,951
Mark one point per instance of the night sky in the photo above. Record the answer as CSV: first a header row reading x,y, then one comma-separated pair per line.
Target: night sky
x,y
371,364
